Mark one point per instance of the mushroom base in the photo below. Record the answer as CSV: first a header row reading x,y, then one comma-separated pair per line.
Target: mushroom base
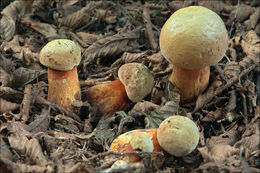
x,y
189,83
108,98
64,88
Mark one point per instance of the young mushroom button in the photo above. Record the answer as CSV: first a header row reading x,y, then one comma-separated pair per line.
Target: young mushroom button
x,y
62,56
192,39
134,83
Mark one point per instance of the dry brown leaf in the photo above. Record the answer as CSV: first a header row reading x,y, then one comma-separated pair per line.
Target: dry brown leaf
x,y
62,135
87,38
11,14
218,153
9,166
10,93
31,148
23,76
231,69
251,43
128,57
7,64
41,124
248,60
176,5
240,13
48,30
5,78
251,94
22,53
68,122
254,18
79,17
5,150
26,103
111,46
216,6
6,106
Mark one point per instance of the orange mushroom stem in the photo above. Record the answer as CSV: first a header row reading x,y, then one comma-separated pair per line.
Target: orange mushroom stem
x,y
134,83
64,87
107,98
189,83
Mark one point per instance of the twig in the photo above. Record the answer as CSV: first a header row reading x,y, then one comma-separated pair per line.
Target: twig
x,y
41,101
147,21
207,97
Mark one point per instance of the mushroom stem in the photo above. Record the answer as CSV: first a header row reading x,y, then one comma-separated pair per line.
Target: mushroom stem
x,y
107,97
189,83
64,88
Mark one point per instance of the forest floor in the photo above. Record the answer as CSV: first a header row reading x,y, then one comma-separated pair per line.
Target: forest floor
x,y
39,136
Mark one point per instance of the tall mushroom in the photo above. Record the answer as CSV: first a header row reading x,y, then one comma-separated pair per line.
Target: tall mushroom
x,y
134,83
62,56
192,39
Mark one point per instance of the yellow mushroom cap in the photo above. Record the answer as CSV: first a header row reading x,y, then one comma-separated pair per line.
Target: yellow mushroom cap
x,y
193,37
137,79
178,135
60,54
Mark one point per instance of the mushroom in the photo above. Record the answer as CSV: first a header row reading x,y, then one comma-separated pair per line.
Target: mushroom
x,y
192,39
62,56
134,83
178,135
139,140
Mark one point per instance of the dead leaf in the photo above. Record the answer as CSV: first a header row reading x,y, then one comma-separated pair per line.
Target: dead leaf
x,y
48,30
251,43
87,38
31,148
41,124
5,78
5,150
254,18
6,106
10,15
110,46
9,166
218,153
7,64
231,69
23,76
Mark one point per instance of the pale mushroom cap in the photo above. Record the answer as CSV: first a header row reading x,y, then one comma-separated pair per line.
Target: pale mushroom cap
x,y
142,142
60,54
137,79
178,135
193,37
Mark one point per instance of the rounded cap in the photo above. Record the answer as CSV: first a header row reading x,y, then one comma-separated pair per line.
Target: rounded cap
x,y
178,135
60,54
137,79
142,142
193,37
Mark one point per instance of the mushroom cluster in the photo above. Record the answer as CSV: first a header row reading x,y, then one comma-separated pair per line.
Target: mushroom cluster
x,y
192,39
177,135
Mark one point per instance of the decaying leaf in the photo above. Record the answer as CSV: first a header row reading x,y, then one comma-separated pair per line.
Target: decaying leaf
x,y
9,166
79,17
218,152
5,150
10,16
5,78
6,106
111,46
41,124
29,147
23,76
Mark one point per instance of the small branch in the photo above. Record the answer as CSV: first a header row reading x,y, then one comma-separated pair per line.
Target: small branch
x,y
42,101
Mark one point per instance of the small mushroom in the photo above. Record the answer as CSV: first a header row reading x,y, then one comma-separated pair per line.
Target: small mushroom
x,y
178,135
139,140
134,83
62,56
192,39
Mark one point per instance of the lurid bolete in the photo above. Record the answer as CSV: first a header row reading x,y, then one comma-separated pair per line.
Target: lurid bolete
x,y
62,56
192,39
134,83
